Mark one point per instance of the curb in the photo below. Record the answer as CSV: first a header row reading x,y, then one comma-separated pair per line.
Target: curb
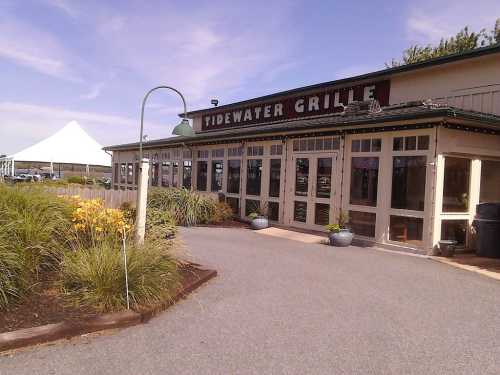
x,y
65,330
465,267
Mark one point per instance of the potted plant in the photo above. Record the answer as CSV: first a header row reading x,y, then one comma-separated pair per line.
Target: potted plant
x,y
259,218
339,235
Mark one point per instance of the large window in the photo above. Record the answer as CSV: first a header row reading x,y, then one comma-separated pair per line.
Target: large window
x,y
217,174
456,184
254,174
233,176
274,177
165,174
364,181
408,182
201,179
186,174
406,229
490,181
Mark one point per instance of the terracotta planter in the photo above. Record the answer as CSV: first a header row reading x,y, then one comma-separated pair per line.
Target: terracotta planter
x,y
342,238
260,222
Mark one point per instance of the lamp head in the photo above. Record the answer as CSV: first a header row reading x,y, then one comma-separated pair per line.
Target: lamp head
x,y
183,129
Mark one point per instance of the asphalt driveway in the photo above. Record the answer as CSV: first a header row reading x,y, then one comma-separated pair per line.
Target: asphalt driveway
x,y
285,307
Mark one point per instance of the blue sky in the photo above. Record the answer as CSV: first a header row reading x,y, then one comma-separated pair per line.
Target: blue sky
x,y
92,61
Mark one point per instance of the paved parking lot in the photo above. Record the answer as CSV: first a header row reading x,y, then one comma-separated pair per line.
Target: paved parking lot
x,y
285,307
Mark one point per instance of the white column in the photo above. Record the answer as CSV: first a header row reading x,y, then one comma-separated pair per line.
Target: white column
x,y
142,197
438,199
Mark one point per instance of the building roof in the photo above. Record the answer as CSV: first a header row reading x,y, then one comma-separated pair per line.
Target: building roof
x,y
70,145
409,111
369,76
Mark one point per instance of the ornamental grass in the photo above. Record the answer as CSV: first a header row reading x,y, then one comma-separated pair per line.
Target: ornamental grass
x,y
95,276
188,208
34,226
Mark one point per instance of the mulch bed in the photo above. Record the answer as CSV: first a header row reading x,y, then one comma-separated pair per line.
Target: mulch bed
x,y
46,305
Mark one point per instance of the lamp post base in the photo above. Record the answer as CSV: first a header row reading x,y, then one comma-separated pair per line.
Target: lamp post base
x,y
142,201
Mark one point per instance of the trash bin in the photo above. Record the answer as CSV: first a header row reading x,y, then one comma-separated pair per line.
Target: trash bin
x,y
487,226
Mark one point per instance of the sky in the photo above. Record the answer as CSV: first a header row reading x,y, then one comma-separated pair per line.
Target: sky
x,y
93,61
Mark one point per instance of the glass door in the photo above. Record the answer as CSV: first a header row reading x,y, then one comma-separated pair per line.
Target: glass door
x,y
313,190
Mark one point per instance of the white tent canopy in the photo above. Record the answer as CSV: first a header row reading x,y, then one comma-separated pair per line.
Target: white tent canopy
x,y
70,145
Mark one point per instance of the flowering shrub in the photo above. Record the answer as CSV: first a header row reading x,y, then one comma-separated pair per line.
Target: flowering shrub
x,y
93,222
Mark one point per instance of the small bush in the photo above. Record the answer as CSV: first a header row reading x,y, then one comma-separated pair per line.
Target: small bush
x,y
187,207
96,276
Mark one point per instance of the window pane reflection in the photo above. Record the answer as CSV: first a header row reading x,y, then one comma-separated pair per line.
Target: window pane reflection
x,y
364,181
301,176
408,182
324,178
456,185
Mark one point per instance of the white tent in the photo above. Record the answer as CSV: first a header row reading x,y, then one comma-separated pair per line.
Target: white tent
x,y
71,145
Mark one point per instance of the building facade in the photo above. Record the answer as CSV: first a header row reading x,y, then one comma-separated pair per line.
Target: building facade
x,y
407,152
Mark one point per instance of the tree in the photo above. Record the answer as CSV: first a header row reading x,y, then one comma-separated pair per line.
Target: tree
x,y
463,41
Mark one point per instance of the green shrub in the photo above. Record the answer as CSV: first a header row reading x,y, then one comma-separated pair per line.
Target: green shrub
x,y
77,180
95,277
33,227
187,207
37,222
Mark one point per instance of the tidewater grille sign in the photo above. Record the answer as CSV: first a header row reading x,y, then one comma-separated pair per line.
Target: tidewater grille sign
x,y
319,103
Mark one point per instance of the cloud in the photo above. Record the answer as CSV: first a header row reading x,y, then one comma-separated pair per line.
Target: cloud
x,y
64,6
23,124
94,92
35,49
209,56
431,20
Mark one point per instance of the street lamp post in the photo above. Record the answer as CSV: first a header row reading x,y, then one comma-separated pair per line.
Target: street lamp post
x,y
183,129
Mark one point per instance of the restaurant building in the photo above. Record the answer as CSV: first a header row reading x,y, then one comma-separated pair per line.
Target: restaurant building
x,y
406,152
